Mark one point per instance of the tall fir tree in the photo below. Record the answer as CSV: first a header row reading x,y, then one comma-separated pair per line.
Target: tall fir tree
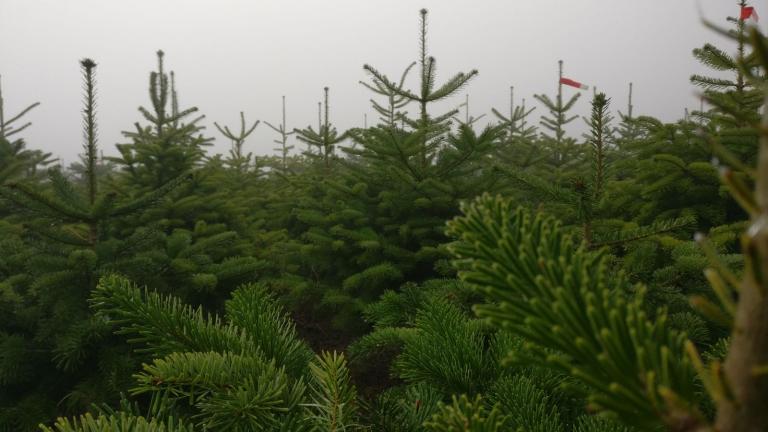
x,y
171,145
49,323
433,128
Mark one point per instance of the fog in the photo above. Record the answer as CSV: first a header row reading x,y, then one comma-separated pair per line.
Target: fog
x,y
231,56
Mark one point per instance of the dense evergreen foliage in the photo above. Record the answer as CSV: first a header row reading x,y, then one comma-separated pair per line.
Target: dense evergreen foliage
x,y
420,274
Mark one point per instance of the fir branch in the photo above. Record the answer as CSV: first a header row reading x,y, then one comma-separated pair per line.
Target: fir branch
x,y
565,299
164,325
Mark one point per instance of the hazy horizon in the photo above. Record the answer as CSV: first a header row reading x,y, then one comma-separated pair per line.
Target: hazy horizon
x,y
233,56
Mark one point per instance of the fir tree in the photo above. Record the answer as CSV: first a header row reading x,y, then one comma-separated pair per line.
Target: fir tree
x,y
562,146
170,145
628,130
516,119
432,128
520,146
70,244
324,139
284,148
237,160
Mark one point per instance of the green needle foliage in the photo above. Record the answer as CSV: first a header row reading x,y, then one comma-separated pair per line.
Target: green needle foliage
x,y
243,374
466,415
575,314
122,422
333,407
736,100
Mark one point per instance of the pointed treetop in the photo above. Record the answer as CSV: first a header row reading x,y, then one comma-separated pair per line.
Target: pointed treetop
x,y
88,63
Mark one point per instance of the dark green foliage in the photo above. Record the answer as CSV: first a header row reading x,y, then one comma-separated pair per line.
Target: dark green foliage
x,y
561,297
121,422
245,374
76,231
467,415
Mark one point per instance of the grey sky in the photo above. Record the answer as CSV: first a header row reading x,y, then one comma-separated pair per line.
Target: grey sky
x,y
233,55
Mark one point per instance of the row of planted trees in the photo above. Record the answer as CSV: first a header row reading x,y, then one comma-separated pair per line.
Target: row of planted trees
x,y
166,290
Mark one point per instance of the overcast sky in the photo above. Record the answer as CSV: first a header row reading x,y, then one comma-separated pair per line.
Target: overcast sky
x,y
233,55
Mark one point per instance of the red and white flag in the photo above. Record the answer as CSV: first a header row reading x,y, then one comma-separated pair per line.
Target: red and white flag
x,y
748,13
572,83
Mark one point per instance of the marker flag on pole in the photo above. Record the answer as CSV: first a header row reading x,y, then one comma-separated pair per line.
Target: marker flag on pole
x,y
572,83
748,13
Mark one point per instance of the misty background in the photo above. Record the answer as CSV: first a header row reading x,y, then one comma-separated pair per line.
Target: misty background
x,y
236,55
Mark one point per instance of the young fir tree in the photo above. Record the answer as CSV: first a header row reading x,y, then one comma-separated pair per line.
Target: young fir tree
x,y
562,147
382,209
734,96
433,128
628,129
516,119
520,147
325,139
171,145
238,160
284,148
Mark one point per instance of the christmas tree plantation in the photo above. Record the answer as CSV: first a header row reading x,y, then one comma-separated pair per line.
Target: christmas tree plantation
x,y
431,271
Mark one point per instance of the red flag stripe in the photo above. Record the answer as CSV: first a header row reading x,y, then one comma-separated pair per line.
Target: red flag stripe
x,y
572,83
748,12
